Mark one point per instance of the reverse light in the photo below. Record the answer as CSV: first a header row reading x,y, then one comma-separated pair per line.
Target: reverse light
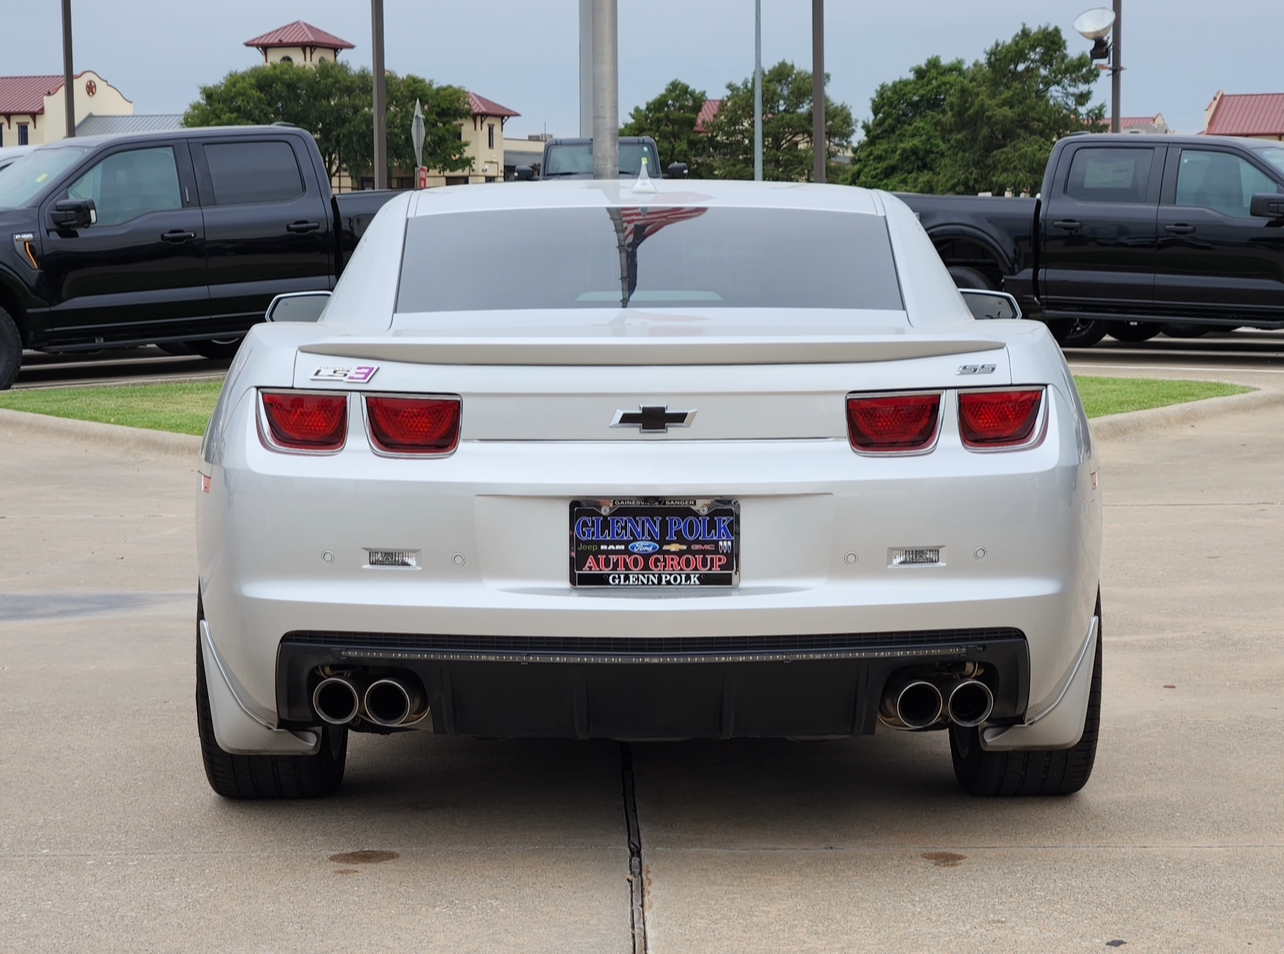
x,y
893,423
413,425
306,420
400,558
914,556
1007,418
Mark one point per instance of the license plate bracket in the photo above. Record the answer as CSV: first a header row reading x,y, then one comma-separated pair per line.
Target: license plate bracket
x,y
655,543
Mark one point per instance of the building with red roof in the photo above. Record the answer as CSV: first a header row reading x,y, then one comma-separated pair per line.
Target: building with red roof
x,y
1256,115
299,43
32,108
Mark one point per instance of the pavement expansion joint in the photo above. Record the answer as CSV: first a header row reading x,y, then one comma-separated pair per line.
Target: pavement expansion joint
x,y
636,876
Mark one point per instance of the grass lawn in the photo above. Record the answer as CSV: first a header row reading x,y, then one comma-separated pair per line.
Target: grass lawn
x,y
186,407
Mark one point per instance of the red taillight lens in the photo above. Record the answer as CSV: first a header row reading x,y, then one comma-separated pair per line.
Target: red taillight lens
x,y
998,418
302,420
893,422
411,425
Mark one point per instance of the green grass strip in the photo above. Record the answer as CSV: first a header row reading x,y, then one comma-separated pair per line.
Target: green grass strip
x,y
185,407
1102,396
182,407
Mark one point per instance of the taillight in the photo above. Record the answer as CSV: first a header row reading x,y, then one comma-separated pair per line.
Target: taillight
x,y
306,420
890,423
998,418
413,425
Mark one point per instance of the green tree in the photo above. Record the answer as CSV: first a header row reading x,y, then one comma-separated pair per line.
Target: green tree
x,y
988,127
670,119
786,127
907,139
334,103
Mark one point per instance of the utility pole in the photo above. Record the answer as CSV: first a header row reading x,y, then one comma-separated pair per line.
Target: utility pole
x,y
586,69
380,98
1116,69
606,90
68,91
757,90
818,141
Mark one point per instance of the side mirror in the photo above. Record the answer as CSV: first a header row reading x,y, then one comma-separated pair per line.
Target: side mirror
x,y
74,213
676,170
1267,205
985,304
297,306
523,173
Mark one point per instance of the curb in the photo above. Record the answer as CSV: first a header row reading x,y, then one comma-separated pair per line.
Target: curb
x,y
140,442
1131,423
113,438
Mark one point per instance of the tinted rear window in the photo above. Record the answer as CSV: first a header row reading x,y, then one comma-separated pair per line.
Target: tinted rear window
x,y
661,257
253,172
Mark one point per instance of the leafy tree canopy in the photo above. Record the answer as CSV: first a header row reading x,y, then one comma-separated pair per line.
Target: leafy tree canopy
x,y
670,119
335,103
987,127
786,127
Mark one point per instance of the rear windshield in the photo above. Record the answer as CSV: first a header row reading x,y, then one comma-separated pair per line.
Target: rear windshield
x,y
653,258
576,159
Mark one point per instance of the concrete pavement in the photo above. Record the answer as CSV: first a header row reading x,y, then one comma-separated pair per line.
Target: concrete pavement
x,y
110,839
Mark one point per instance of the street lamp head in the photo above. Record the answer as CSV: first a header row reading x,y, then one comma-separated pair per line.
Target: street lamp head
x,y
1095,24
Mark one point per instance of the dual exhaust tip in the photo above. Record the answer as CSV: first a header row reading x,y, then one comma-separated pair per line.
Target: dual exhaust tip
x,y
920,704
389,702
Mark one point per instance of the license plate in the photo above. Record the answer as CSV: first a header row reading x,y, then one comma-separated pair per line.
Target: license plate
x,y
655,543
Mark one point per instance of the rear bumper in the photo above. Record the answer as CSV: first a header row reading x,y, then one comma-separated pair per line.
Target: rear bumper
x,y
656,688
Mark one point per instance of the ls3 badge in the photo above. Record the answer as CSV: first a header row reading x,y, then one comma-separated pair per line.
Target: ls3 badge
x,y
358,375
976,369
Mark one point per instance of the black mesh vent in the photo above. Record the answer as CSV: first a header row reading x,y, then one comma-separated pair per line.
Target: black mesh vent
x,y
648,645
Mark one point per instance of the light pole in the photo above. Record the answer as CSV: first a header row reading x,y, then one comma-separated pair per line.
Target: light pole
x,y
1116,69
380,98
68,91
1096,25
606,90
757,90
818,141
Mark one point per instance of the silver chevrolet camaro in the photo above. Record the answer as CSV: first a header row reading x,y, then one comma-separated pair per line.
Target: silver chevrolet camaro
x,y
648,461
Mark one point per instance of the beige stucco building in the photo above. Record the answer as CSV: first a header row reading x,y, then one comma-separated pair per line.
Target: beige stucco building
x,y
299,43
33,111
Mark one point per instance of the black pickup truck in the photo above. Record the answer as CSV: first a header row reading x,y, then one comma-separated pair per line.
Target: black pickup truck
x,y
1129,236
174,238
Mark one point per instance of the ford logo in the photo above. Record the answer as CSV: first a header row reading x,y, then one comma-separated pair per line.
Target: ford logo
x,y
643,546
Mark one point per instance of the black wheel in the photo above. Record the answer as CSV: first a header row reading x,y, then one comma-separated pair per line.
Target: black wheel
x,y
1180,330
10,351
1134,330
965,277
266,776
214,347
1062,772
1077,332
176,348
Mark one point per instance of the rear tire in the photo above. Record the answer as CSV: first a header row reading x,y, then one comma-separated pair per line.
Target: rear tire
x,y
177,348
214,347
10,351
266,776
1077,332
1180,330
965,277
1019,772
1134,330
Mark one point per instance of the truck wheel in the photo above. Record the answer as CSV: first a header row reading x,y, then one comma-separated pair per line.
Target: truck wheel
x,y
1061,772
1134,330
1077,332
214,347
10,351
177,348
1180,330
965,277
266,776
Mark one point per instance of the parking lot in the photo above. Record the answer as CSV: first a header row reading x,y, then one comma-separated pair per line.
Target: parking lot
x,y
110,839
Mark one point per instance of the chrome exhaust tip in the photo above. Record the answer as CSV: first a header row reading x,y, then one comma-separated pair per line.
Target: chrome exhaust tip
x,y
914,705
389,702
335,700
970,703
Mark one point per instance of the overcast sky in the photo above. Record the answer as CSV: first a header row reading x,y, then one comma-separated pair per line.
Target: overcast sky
x,y
1178,53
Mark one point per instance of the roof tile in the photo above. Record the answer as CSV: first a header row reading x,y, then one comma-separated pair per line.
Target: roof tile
x,y
482,106
1248,114
299,33
26,94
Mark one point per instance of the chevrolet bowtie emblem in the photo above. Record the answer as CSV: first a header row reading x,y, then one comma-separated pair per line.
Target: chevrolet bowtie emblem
x,y
653,418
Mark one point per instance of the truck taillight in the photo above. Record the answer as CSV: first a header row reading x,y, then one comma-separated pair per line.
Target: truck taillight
x,y
893,423
1006,418
306,420
413,425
